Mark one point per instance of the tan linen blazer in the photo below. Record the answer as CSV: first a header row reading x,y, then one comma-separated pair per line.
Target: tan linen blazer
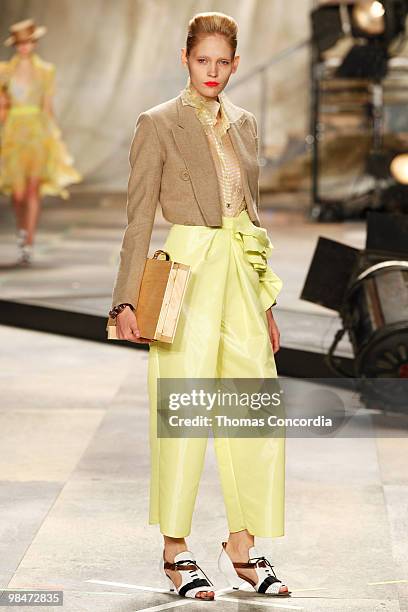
x,y
171,163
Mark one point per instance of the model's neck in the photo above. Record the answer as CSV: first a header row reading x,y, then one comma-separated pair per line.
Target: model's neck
x,y
25,58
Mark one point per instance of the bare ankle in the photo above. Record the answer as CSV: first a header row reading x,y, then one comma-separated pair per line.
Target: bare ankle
x,y
240,541
173,546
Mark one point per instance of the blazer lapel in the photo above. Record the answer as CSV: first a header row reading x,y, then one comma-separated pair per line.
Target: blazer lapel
x,y
193,146
199,161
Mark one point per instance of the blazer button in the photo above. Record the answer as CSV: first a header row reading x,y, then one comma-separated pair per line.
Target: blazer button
x,y
184,175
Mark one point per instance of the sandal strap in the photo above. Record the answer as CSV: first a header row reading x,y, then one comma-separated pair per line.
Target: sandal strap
x,y
178,566
250,564
264,562
266,583
197,582
183,565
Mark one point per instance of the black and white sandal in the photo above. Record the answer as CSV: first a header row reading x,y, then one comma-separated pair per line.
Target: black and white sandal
x,y
193,579
267,583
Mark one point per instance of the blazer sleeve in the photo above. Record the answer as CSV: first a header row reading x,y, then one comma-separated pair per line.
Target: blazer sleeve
x,y
146,165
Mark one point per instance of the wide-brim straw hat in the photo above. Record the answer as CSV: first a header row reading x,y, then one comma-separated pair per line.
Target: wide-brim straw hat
x,y
23,31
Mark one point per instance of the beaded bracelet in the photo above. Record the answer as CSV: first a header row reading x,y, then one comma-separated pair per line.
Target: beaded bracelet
x,y
118,309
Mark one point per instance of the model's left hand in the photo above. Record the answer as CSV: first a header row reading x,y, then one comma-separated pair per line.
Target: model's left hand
x,y
274,334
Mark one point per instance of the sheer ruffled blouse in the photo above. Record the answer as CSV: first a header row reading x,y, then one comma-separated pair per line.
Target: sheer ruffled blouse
x,y
224,156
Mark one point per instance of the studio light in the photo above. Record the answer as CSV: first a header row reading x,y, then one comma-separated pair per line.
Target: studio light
x,y
399,168
373,24
373,32
368,16
369,290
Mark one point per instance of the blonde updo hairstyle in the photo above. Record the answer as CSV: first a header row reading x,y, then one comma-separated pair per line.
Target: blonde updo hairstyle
x,y
213,22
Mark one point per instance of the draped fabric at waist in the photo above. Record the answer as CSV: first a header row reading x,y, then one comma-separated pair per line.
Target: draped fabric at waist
x,y
257,247
25,109
255,240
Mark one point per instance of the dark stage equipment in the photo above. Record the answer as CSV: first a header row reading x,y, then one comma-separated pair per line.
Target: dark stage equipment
x,y
373,26
369,290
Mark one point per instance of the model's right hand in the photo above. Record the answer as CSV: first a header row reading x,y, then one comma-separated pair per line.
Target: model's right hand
x,y
126,327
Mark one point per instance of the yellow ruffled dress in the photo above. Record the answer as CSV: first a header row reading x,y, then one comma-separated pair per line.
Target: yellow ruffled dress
x,y
30,140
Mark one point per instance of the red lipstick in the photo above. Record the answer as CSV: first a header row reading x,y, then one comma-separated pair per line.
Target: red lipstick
x,y
211,83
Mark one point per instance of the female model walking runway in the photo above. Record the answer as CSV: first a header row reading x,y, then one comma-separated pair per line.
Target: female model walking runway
x,y
198,155
33,158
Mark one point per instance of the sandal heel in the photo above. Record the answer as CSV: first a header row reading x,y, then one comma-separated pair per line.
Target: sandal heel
x,y
170,585
166,580
227,569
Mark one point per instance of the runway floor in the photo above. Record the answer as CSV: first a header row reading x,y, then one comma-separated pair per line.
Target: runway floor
x,y
74,482
77,253
74,460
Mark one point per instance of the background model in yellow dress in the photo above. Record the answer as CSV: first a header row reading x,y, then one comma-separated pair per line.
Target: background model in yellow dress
x,y
32,150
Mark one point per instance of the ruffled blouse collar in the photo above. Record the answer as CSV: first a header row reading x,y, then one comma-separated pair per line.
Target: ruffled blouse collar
x,y
207,109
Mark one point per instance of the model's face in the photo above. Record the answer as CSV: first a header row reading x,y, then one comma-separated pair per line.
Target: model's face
x,y
25,48
210,61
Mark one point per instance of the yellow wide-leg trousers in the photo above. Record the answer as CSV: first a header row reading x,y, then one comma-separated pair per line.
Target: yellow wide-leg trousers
x,y
222,333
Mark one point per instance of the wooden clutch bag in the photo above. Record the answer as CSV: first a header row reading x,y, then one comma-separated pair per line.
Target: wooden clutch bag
x,y
161,295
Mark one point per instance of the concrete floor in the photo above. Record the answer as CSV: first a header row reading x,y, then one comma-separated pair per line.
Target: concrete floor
x,y
74,475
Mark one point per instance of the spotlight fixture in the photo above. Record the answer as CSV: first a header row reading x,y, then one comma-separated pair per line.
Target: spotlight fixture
x,y
373,24
369,290
399,168
369,17
373,27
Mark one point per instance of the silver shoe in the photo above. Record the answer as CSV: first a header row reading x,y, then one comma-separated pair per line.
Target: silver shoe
x,y
21,237
26,254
